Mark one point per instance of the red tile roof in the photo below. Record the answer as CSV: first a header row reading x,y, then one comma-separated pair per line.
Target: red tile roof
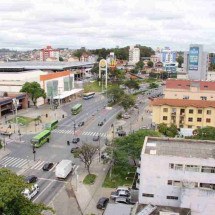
x,y
183,103
185,84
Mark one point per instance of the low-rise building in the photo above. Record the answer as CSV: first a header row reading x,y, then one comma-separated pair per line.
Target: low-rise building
x,y
183,113
178,173
188,89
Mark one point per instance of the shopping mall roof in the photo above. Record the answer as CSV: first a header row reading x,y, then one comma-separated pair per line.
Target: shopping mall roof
x,y
41,65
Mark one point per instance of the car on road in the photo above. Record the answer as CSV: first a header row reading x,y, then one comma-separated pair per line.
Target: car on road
x,y
31,179
101,123
74,149
102,203
96,138
75,140
47,166
121,133
80,124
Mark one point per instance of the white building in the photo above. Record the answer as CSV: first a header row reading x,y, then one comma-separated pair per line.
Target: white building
x,y
178,173
196,63
134,55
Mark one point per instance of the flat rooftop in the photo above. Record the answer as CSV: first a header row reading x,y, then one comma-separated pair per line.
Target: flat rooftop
x,y
179,147
41,65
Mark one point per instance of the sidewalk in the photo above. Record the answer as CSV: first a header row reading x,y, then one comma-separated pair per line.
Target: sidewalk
x,y
88,195
33,127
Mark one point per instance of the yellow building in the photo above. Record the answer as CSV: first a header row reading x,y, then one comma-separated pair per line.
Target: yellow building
x,y
183,113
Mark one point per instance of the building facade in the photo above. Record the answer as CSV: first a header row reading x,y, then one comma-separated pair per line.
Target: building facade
x,y
178,173
196,62
134,55
49,53
183,113
188,89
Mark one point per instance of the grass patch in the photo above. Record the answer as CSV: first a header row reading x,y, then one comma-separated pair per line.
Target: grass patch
x,y
22,120
89,179
119,177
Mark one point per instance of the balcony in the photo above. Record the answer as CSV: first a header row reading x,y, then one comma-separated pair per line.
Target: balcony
x,y
173,113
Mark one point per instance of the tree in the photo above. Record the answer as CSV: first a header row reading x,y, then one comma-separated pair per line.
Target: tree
x,y
86,154
11,199
95,69
129,147
180,60
205,133
170,131
153,85
132,84
127,102
150,64
139,65
115,94
60,58
34,91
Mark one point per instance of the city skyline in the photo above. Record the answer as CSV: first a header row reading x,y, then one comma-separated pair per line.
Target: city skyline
x,y
94,24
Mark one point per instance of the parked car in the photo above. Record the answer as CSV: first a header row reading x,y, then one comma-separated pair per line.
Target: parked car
x,y
121,133
96,138
101,123
47,166
120,193
122,200
81,123
31,179
102,203
74,149
126,116
75,140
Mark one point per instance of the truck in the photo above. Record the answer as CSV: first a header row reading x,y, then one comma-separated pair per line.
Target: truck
x,y
29,193
63,169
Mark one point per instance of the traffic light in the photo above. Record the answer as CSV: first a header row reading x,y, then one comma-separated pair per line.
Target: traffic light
x,y
46,115
63,116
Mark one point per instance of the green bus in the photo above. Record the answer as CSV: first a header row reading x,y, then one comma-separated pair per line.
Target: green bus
x,y
52,125
41,138
76,109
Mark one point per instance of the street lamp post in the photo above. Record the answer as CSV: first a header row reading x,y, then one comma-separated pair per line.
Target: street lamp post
x,y
34,151
99,150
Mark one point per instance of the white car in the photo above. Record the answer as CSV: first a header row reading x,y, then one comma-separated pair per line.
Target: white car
x,y
30,193
126,116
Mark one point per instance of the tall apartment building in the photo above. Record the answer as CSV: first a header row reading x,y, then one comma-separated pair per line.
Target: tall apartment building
x,y
178,173
183,113
196,63
49,53
134,55
188,89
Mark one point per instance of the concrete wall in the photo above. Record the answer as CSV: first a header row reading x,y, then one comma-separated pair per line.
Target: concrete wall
x,y
155,173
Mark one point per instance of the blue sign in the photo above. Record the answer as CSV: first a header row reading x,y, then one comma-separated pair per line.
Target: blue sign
x,y
193,58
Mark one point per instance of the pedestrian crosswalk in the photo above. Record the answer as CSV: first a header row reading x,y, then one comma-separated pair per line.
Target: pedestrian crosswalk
x,y
95,134
89,133
14,162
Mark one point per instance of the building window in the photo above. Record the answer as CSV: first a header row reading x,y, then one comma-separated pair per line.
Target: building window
x,y
199,111
190,110
169,182
192,168
208,112
148,195
208,169
189,126
203,98
172,197
207,186
165,110
171,165
208,120
176,183
199,119
176,166
186,97
190,119
164,117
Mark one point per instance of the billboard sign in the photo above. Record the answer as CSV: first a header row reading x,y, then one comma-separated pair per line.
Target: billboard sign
x,y
194,58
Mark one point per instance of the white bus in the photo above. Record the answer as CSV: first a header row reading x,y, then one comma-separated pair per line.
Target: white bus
x,y
88,95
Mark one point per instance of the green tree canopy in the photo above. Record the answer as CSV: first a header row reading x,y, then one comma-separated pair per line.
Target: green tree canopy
x,y
150,64
170,131
153,85
132,84
11,199
34,91
129,147
180,60
127,102
139,65
116,94
205,133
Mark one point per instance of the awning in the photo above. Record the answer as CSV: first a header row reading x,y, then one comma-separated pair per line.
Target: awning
x,y
66,94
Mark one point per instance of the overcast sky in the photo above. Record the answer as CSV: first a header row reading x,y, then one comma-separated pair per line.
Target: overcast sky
x,y
28,24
